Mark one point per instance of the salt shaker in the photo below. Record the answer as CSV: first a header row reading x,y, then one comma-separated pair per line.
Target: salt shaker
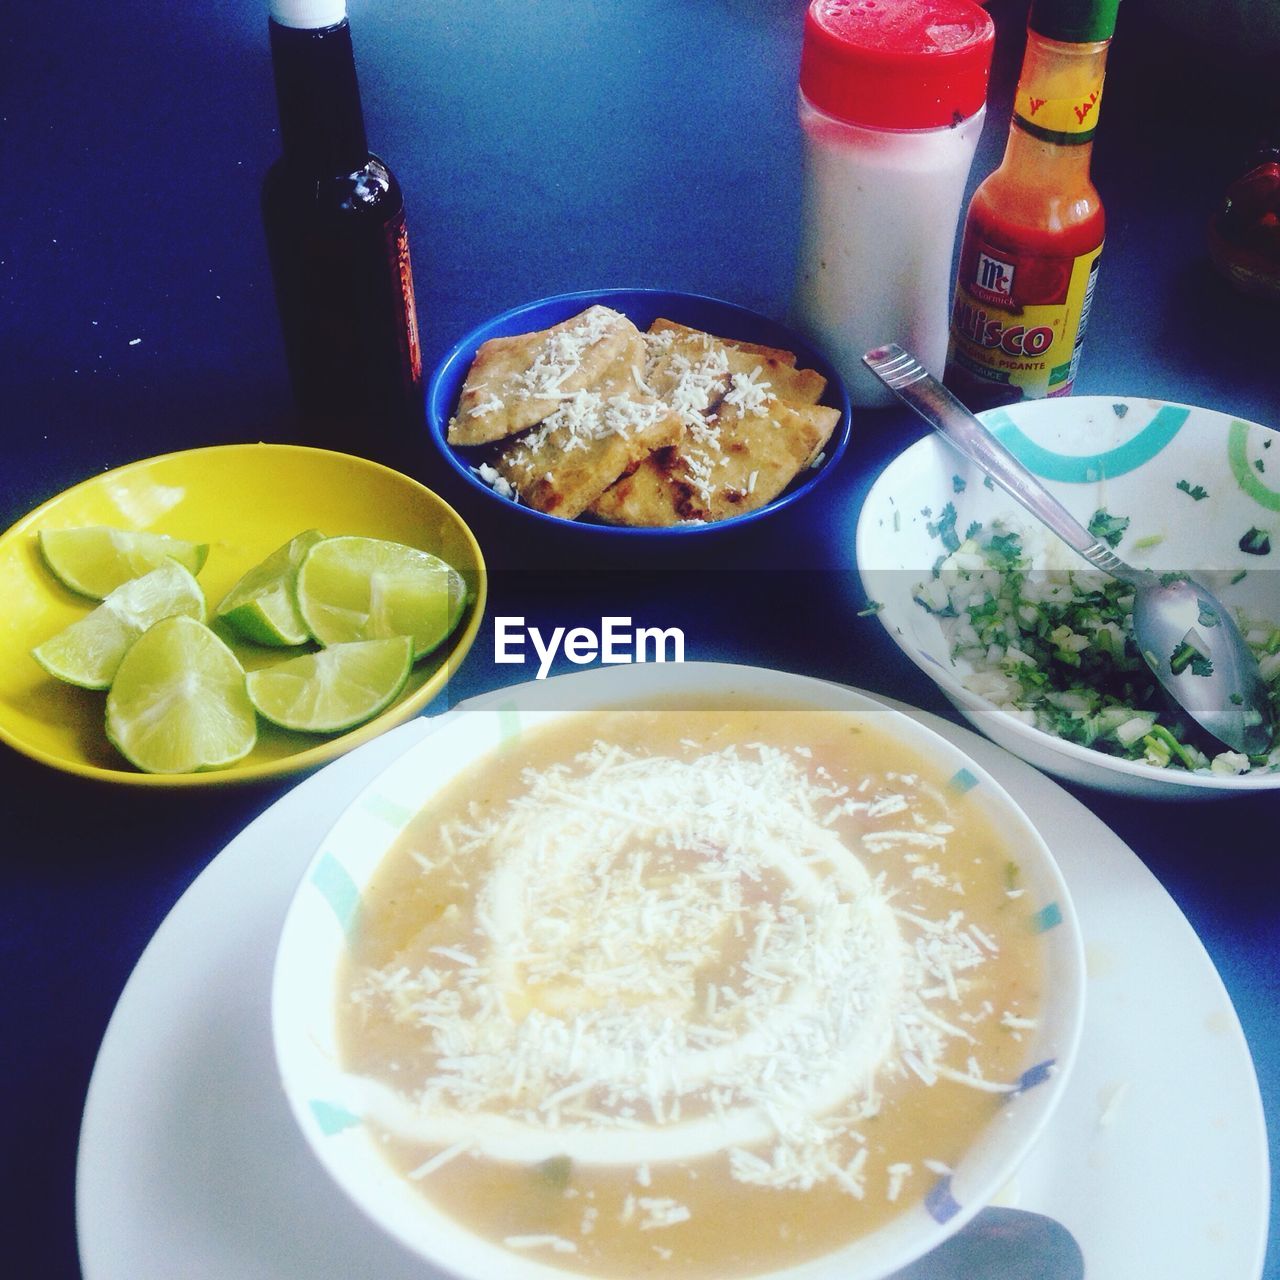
x,y
892,98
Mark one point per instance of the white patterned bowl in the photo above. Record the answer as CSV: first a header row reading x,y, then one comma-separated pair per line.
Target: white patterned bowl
x,y
1127,456
313,943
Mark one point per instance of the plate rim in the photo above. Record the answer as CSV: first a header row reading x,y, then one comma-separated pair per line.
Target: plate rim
x,y
357,769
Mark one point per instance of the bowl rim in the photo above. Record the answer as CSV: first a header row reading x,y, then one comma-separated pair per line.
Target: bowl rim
x,y
1069,1005
463,351
944,676
326,748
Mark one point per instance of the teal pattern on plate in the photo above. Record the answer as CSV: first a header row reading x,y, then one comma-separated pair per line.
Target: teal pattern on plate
x,y
331,1117
1135,452
393,814
509,726
1047,918
337,888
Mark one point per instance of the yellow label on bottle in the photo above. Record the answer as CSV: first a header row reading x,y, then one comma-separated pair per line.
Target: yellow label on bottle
x,y
1018,323
1064,118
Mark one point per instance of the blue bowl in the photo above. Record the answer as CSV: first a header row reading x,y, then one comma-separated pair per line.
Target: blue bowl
x,y
642,307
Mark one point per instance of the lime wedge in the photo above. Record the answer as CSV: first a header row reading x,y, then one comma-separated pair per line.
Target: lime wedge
x,y
367,589
335,689
88,652
261,606
178,703
95,560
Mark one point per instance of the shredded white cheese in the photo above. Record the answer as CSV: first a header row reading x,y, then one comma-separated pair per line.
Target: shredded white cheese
x,y
586,416
749,393
496,481
557,1243
677,955
561,354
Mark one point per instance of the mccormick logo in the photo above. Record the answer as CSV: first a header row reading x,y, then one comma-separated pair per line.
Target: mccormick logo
x,y
993,279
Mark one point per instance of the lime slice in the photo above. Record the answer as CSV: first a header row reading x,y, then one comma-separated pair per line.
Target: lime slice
x,y
367,589
261,606
94,561
178,703
88,652
335,689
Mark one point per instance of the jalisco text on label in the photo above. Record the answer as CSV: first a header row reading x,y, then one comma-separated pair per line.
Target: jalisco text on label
x,y
617,641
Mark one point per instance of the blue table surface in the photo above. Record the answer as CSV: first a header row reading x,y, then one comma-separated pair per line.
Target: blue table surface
x,y
542,147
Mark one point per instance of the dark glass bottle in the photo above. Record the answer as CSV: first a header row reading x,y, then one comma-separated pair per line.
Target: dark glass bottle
x,y
338,246
1244,232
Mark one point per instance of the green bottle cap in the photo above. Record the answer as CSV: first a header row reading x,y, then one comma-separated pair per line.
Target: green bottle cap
x,y
1074,21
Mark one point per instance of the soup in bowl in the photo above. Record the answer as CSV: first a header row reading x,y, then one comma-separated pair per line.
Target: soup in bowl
x,y
699,969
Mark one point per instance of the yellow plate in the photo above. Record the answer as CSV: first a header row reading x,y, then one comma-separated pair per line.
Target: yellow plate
x,y
245,500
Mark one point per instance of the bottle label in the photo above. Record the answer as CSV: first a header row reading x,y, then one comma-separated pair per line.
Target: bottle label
x,y
405,268
1018,323
1066,120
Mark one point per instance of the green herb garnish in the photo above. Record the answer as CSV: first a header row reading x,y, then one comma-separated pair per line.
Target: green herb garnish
x,y
1006,547
1189,656
945,527
1061,648
1257,542
1162,747
1198,492
554,1172
1108,528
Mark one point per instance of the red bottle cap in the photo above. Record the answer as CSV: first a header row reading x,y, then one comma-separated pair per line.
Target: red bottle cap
x,y
897,64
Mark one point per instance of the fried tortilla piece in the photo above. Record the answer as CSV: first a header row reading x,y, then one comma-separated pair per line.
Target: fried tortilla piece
x,y
784,381
693,370
686,368
775,353
516,382
737,463
591,439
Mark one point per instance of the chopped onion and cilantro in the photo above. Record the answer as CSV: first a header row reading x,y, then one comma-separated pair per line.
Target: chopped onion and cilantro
x,y
1054,648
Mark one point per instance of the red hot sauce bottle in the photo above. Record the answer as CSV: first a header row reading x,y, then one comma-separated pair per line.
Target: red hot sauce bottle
x,y
1034,230
338,245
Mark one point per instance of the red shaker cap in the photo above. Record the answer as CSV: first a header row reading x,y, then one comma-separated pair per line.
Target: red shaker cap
x,y
897,64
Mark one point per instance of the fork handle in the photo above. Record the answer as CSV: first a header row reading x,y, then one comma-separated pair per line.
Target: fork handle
x,y
917,388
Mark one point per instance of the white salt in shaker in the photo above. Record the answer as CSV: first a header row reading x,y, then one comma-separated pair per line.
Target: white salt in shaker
x,y
892,98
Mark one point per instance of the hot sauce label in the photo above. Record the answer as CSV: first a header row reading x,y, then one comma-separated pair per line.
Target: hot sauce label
x,y
1070,119
1018,323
